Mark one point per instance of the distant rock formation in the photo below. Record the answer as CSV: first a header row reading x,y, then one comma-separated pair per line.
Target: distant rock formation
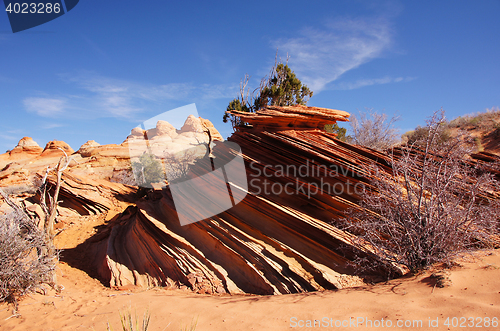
x,y
87,148
27,145
105,167
164,128
56,147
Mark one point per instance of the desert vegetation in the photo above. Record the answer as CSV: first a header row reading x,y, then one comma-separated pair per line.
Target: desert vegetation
x,y
27,255
488,120
148,170
280,88
434,204
485,125
373,130
132,323
26,258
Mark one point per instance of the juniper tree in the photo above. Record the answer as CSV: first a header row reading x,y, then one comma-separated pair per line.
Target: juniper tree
x,y
280,88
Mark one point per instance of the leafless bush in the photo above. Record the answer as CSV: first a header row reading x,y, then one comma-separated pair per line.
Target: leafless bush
x,y
27,254
374,130
431,207
124,176
27,259
177,164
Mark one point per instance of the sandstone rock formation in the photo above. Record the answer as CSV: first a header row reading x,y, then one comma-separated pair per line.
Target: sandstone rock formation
x,y
282,237
275,118
27,145
163,128
283,240
55,147
87,148
99,177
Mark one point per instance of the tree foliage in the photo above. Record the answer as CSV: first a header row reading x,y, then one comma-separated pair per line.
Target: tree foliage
x,y
148,170
340,132
280,88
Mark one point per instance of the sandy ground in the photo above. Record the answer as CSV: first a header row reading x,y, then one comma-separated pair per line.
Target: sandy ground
x,y
472,296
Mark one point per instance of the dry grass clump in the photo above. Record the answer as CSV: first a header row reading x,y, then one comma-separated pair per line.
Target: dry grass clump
x,y
482,121
131,323
487,122
128,324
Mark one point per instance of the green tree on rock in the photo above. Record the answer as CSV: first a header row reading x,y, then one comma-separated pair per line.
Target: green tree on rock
x,y
339,131
280,88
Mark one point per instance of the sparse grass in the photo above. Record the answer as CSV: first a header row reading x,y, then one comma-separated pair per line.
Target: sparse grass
x,y
191,327
485,121
130,323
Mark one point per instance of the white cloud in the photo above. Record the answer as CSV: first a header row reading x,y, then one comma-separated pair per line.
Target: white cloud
x,y
50,126
321,56
8,137
122,98
99,96
368,82
46,107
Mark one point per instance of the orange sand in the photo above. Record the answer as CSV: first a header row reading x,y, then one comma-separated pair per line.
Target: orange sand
x,y
85,304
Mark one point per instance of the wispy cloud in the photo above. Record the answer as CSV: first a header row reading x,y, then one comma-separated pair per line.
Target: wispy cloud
x,y
49,126
5,79
46,107
8,137
321,56
368,82
101,96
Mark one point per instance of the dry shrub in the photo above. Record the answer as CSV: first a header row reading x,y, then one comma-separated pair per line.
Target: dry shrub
x,y
177,164
27,259
374,130
434,204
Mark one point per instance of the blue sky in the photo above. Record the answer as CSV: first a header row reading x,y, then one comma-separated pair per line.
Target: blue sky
x,y
103,68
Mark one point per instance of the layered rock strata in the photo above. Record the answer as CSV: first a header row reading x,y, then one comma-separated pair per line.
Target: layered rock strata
x,y
279,239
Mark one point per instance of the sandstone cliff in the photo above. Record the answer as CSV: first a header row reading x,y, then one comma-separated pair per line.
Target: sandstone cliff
x,y
281,238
